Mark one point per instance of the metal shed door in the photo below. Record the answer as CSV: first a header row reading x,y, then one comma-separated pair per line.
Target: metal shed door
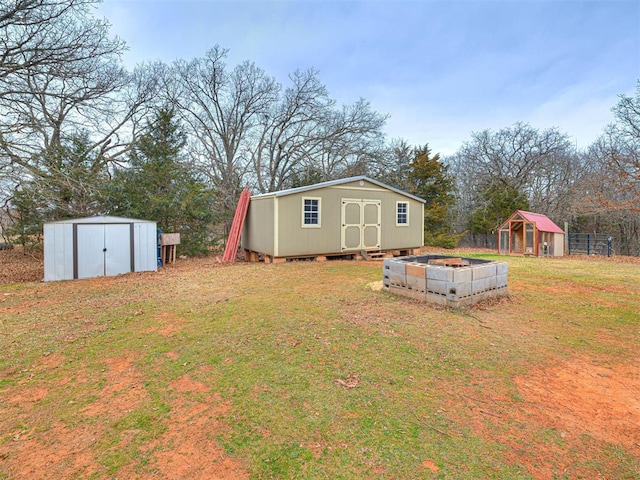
x,y
360,224
103,250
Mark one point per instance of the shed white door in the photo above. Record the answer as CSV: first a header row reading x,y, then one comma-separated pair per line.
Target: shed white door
x,y
360,224
103,250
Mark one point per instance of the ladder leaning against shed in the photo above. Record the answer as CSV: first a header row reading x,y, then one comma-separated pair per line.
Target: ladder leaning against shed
x,y
233,242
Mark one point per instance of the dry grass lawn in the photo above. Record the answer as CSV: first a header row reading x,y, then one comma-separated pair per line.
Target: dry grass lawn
x,y
300,370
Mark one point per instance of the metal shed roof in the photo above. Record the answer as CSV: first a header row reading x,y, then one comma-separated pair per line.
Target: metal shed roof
x,y
103,219
332,183
542,222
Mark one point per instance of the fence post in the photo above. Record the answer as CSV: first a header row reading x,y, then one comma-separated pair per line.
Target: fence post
x,y
568,243
588,244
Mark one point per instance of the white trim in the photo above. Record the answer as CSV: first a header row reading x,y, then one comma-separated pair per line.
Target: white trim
x,y
332,183
363,189
422,217
276,223
312,225
398,224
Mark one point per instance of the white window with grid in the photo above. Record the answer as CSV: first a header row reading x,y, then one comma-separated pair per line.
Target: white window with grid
x,y
311,212
402,214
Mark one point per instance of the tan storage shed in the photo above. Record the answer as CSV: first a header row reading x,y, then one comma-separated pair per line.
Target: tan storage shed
x,y
339,217
530,233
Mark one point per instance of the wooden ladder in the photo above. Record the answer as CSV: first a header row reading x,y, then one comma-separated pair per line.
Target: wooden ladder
x,y
233,242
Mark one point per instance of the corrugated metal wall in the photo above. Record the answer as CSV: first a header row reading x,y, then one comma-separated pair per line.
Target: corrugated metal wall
x,y
98,246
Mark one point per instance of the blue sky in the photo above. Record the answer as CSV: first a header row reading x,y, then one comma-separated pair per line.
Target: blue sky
x,y
440,69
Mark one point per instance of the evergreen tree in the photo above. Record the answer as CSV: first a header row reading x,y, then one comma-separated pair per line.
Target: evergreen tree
x,y
159,186
68,182
498,202
429,179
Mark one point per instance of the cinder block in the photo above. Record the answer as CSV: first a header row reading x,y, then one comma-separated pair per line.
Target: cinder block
x,y
459,290
416,283
397,279
437,286
492,269
444,274
438,299
397,290
455,287
398,267
484,271
502,268
462,275
415,294
405,292
478,286
415,270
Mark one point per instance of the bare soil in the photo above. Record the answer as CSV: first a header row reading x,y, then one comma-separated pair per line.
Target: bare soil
x,y
185,450
573,400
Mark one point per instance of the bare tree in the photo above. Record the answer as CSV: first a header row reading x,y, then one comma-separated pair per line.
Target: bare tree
x,y
289,132
350,136
46,35
46,108
249,130
393,164
610,202
220,108
512,155
619,149
61,80
324,142
511,165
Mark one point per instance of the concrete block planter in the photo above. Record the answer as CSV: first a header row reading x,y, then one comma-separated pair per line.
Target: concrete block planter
x,y
443,280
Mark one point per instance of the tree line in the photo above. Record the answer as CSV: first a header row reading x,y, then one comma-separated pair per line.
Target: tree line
x,y
176,143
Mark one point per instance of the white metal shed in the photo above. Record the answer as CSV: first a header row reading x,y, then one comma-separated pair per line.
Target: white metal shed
x,y
99,246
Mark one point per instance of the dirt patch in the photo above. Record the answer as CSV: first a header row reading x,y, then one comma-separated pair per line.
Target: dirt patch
x,y
580,396
571,408
187,448
60,452
36,445
430,465
185,384
167,324
123,390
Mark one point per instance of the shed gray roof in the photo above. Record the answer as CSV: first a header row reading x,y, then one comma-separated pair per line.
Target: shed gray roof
x,y
332,183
